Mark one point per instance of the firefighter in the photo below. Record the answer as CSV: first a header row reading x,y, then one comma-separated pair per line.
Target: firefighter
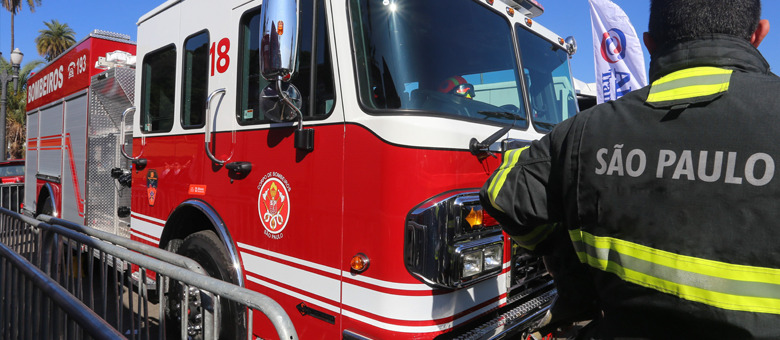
x,y
668,194
457,86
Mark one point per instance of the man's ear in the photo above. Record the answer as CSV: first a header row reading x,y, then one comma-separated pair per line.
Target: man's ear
x,y
649,42
760,33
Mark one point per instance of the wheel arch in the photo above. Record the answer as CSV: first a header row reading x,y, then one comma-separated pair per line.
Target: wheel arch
x,y
47,192
193,216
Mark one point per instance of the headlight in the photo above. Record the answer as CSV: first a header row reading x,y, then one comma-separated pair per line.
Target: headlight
x,y
483,257
472,263
493,256
451,242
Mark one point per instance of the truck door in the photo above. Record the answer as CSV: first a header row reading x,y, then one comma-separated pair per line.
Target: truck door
x,y
290,239
277,208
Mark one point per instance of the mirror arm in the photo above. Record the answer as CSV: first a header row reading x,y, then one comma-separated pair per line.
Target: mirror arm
x,y
304,138
289,102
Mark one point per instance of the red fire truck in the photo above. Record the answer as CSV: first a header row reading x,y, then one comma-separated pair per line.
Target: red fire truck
x,y
71,135
329,153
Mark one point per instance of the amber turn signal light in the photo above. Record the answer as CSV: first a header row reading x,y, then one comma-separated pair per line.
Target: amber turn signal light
x,y
359,262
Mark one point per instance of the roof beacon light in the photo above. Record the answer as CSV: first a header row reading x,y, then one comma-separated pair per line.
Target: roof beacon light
x,y
529,8
114,59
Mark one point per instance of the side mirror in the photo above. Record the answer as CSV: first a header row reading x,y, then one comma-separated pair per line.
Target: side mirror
x,y
277,110
278,39
571,45
280,100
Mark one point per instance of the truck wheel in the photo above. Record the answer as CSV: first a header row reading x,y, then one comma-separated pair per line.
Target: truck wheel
x,y
205,248
163,283
47,208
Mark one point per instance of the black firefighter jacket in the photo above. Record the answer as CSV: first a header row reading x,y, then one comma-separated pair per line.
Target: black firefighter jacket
x,y
670,194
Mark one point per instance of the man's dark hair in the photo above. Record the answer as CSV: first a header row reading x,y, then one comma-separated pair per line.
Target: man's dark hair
x,y
673,21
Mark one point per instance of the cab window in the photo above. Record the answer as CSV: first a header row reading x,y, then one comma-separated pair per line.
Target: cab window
x,y
157,90
195,80
314,76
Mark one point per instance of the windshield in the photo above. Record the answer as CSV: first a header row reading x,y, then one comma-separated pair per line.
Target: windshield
x,y
12,170
547,75
443,57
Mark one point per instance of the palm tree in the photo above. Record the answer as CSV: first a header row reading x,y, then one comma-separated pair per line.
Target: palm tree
x,y
14,6
54,39
16,110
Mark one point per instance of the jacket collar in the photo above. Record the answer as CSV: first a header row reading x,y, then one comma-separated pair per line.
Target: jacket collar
x,y
718,50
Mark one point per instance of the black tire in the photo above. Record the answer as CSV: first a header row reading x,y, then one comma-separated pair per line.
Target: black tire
x,y
47,208
206,248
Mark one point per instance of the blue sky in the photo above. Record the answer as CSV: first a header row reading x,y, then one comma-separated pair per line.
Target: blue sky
x,y
83,16
572,17
565,17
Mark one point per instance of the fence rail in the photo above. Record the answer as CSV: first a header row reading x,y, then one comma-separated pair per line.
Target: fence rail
x,y
110,275
36,307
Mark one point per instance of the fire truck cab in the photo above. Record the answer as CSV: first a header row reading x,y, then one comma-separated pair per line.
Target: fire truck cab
x,y
358,210
328,154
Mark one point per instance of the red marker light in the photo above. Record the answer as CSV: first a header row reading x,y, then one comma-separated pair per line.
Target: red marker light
x,y
487,220
280,28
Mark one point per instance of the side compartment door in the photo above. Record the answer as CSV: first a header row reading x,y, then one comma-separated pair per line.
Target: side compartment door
x,y
74,141
31,161
50,145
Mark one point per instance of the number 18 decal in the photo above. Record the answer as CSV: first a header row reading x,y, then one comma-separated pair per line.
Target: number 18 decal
x,y
219,55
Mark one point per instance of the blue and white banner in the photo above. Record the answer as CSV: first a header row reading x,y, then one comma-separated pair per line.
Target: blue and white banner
x,y
620,63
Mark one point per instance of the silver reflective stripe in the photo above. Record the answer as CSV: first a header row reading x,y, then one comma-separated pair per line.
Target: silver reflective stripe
x,y
720,284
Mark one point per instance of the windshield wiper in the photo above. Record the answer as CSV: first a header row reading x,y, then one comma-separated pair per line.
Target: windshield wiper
x,y
482,149
545,125
502,114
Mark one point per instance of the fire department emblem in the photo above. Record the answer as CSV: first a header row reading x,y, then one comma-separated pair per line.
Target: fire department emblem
x,y
151,186
273,203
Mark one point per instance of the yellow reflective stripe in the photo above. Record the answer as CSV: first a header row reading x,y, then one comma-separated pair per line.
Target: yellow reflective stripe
x,y
532,239
687,92
690,83
692,72
510,160
719,284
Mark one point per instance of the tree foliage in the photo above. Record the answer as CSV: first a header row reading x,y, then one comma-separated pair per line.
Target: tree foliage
x,y
16,109
15,6
54,39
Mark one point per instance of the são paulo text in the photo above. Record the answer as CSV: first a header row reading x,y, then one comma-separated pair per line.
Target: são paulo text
x,y
706,166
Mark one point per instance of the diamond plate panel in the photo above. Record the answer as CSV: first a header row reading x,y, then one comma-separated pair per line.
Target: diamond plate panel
x,y
111,93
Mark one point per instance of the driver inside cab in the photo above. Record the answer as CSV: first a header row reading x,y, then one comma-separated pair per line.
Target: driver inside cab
x,y
458,86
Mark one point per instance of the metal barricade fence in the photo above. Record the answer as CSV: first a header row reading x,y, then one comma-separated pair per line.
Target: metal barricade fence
x,y
109,275
35,307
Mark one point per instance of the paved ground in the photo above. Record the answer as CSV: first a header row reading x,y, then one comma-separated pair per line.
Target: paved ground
x,y
560,333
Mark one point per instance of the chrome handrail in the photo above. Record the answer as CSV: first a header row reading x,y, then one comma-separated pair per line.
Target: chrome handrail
x,y
207,133
122,137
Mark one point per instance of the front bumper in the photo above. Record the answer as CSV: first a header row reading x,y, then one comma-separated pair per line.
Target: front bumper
x,y
521,316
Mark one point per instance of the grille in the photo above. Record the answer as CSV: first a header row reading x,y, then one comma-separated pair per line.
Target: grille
x,y
528,272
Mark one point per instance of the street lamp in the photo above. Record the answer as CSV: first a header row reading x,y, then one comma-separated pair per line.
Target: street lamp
x,y
16,60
